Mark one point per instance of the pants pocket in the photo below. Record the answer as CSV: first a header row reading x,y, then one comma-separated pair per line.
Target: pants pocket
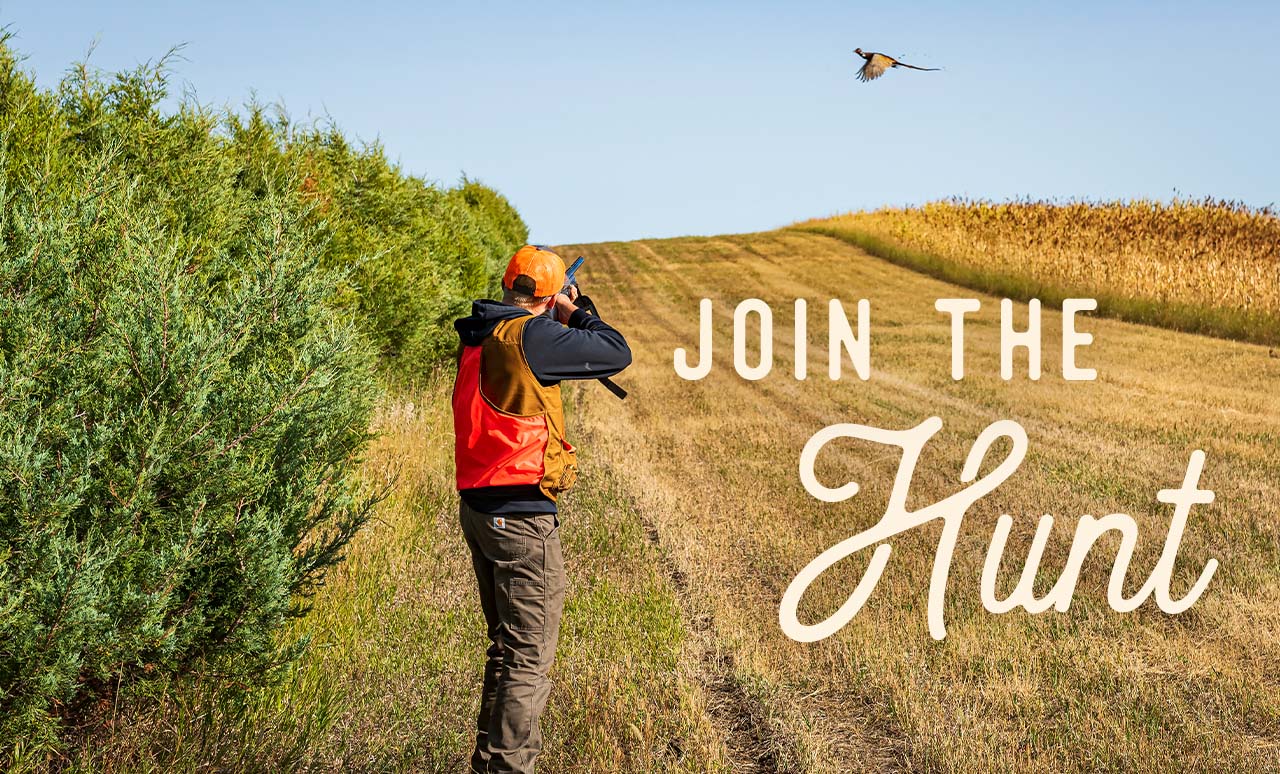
x,y
506,550
526,605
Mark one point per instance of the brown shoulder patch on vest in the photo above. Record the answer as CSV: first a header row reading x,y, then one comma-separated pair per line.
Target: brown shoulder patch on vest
x,y
506,380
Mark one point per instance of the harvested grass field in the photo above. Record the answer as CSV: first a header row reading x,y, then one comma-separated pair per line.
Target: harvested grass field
x,y
712,465
1199,266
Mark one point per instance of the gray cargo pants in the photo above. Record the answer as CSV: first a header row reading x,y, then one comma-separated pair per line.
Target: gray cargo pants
x,y
520,573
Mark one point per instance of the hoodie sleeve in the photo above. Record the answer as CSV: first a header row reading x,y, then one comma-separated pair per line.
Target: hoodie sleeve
x,y
587,349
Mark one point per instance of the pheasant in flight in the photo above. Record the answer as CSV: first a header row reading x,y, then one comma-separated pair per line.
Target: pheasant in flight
x,y
878,63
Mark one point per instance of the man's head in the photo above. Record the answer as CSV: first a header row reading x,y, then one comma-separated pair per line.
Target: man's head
x,y
534,276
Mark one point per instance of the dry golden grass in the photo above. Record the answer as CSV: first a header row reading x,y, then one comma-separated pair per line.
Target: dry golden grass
x,y
400,632
1201,266
713,465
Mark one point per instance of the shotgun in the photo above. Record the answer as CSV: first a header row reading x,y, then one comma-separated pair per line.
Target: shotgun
x,y
571,280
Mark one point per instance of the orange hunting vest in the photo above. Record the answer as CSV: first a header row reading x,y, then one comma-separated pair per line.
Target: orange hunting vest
x,y
508,429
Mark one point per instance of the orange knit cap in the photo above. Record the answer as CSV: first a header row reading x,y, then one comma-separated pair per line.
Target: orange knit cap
x,y
534,271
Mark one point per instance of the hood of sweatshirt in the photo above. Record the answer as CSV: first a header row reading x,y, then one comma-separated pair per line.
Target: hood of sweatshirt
x,y
485,315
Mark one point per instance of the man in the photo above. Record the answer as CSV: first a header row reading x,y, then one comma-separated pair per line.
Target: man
x,y
512,463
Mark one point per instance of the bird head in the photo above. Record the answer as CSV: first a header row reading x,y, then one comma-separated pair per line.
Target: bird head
x,y
857,51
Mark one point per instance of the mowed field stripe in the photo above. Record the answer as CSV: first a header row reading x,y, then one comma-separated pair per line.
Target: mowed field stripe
x,y
713,466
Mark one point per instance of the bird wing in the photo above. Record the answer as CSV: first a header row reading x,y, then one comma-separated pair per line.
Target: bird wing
x,y
913,67
875,67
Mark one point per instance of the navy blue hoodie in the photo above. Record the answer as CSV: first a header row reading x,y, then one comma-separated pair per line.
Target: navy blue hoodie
x,y
587,348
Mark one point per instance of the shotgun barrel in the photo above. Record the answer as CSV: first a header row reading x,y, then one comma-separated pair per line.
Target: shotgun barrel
x,y
571,280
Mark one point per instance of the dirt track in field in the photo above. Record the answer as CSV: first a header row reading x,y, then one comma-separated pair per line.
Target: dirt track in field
x,y
713,467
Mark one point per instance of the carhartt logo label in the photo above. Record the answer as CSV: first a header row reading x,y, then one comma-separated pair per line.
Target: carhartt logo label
x,y
499,522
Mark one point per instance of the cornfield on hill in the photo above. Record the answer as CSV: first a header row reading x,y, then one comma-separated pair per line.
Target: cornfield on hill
x,y
1204,266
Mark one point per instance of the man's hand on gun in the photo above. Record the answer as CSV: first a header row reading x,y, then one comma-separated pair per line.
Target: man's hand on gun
x,y
565,306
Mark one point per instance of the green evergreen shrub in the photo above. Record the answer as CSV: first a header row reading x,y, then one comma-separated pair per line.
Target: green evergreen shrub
x,y
418,254
195,308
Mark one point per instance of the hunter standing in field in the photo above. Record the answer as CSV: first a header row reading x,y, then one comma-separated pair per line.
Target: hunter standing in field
x,y
513,461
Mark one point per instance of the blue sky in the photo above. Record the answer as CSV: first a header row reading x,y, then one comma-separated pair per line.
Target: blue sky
x,y
666,118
